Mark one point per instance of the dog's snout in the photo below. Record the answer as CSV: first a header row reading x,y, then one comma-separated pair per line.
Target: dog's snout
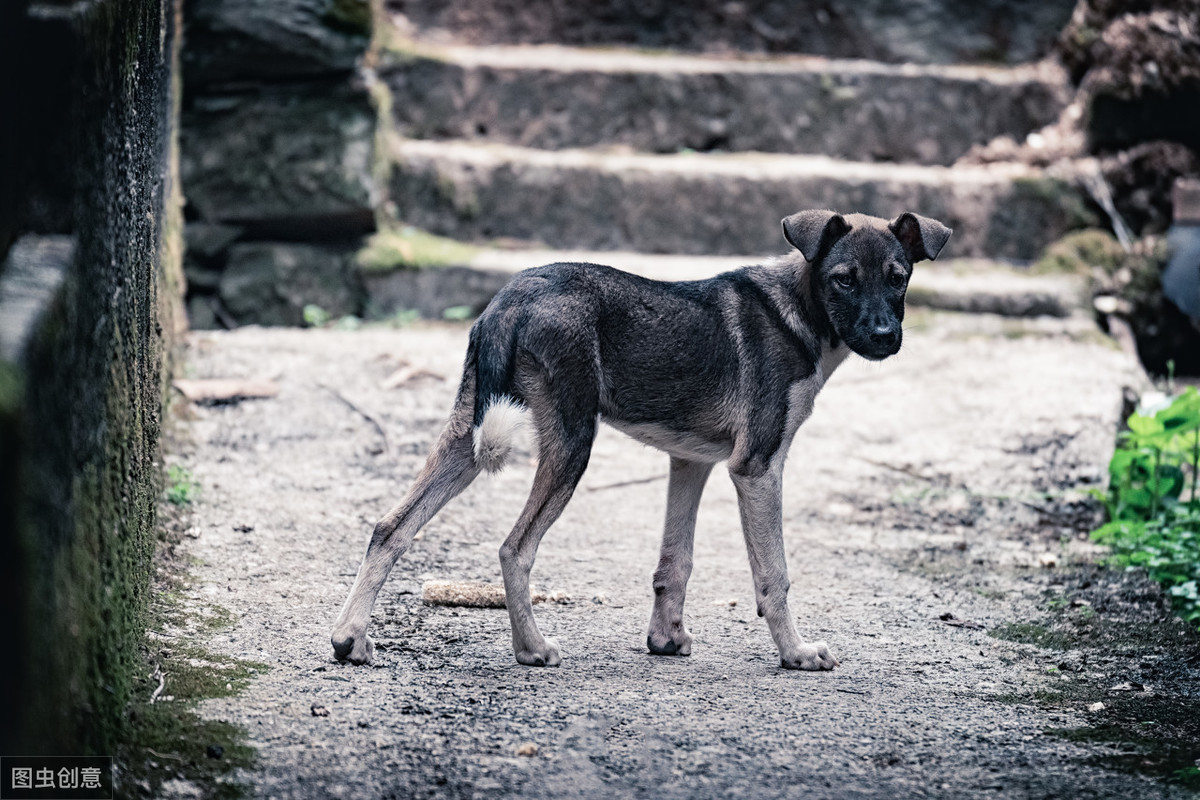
x,y
884,330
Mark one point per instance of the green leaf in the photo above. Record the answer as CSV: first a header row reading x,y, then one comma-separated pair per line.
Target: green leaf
x,y
457,313
1144,426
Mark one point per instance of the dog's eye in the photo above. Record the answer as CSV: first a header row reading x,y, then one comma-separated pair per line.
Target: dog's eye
x,y
897,278
845,280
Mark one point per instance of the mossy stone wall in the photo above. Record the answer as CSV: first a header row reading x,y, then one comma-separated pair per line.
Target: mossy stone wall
x,y
93,203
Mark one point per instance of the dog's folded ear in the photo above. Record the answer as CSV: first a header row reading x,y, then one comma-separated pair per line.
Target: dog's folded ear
x,y
921,237
810,232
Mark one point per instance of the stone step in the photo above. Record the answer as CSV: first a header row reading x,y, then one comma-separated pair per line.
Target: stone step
x,y
965,285
557,97
711,204
918,31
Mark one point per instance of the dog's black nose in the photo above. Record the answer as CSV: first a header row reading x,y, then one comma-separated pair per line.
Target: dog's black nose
x,y
884,333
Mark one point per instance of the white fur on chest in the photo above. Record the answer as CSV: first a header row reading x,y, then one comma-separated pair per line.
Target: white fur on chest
x,y
802,395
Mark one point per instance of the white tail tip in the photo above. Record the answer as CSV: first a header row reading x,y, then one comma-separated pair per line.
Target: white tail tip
x,y
493,436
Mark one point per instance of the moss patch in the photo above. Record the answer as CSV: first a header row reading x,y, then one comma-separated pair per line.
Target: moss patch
x,y
1059,197
165,739
412,248
351,16
10,388
1158,735
1117,644
168,741
1034,634
1079,252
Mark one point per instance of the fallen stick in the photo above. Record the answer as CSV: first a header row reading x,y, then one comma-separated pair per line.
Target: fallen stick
x,y
408,373
368,416
472,594
216,390
633,482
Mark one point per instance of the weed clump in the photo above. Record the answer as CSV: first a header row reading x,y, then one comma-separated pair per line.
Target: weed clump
x,y
182,488
1154,518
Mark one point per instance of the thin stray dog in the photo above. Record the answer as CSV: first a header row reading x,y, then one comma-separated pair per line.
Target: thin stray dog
x,y
720,369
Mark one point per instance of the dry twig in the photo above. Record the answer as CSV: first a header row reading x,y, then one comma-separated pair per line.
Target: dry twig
x,y
362,412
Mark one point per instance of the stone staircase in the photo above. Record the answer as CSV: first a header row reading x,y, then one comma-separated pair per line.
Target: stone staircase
x,y
682,153
667,138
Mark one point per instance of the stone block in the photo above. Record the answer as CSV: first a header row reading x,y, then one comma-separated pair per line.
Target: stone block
x,y
271,40
270,283
283,163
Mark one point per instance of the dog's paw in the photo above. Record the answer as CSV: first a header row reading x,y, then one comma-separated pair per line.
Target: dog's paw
x,y
815,656
544,656
677,644
353,646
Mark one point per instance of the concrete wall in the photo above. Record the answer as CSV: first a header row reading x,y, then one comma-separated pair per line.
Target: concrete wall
x,y
90,241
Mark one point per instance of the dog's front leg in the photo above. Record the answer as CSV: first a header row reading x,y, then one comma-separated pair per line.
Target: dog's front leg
x,y
761,507
668,636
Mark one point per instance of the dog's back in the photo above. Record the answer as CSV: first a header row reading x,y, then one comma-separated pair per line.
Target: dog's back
x,y
664,362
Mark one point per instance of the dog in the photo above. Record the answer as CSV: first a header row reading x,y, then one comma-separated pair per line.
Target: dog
x,y
723,369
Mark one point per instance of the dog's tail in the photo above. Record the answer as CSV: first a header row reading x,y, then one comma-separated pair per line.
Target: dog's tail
x,y
497,415
494,434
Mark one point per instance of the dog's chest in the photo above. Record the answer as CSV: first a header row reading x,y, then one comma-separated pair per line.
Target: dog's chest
x,y
716,441
802,395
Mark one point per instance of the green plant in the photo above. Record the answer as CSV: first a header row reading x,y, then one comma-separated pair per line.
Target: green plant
x,y
348,323
1154,520
181,486
315,316
457,313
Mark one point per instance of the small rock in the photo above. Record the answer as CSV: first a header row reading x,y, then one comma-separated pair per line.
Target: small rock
x,y
319,711
1096,707
839,509
527,749
1129,686
1047,560
177,787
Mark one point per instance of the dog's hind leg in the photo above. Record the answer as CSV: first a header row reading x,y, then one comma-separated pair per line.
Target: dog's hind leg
x,y
564,446
668,636
449,469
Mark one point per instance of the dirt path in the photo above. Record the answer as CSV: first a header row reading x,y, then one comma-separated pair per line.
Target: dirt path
x,y
935,483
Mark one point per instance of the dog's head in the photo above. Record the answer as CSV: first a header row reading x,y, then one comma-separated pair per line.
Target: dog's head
x,y
860,267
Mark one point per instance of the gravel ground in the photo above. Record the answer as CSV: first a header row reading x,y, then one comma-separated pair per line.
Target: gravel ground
x,y
940,482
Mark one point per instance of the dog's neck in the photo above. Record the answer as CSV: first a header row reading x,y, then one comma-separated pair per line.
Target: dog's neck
x,y
798,302
832,356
